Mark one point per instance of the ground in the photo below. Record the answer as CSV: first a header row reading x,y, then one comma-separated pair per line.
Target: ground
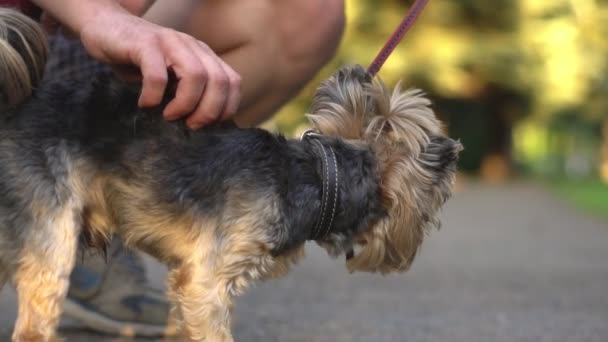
x,y
511,263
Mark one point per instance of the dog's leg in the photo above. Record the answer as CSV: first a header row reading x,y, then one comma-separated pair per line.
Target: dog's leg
x,y
42,274
175,316
203,304
4,270
204,289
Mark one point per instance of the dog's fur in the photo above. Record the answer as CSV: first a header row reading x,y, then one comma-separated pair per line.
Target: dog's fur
x,y
222,206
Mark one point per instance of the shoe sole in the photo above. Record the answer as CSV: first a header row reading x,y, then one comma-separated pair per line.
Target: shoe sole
x,y
100,323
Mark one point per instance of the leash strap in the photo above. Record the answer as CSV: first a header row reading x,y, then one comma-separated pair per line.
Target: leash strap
x,y
329,197
397,36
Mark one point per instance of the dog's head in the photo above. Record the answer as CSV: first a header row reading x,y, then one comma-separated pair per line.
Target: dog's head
x,y
416,161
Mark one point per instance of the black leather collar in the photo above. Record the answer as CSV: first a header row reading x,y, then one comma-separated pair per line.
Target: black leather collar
x,y
330,179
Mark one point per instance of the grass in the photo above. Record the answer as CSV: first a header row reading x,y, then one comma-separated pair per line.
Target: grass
x,y
589,196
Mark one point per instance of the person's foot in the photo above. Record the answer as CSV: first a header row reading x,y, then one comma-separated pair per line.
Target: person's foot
x,y
113,297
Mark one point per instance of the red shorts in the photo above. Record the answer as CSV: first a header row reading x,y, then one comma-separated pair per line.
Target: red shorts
x,y
24,6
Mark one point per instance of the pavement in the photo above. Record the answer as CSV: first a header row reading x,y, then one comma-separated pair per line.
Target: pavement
x,y
511,263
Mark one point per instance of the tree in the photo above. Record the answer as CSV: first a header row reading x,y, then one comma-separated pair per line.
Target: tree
x,y
489,65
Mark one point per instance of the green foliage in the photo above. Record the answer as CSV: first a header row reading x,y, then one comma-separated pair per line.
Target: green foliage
x,y
491,67
590,196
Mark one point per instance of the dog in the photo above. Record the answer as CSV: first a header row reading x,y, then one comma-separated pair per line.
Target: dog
x,y
223,206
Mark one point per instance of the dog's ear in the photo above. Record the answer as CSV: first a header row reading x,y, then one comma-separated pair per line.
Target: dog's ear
x,y
341,105
353,106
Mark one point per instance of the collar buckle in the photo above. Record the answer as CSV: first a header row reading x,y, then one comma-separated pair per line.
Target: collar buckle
x,y
310,133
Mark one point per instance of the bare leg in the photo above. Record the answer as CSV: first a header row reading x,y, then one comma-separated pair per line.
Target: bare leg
x,y
276,45
42,276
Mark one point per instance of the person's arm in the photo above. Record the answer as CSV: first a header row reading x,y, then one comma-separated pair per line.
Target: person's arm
x,y
207,87
74,14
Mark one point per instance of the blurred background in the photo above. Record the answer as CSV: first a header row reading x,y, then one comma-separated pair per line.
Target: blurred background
x,y
523,251
522,83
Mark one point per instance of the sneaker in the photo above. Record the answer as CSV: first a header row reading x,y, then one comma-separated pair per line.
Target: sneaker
x,y
113,297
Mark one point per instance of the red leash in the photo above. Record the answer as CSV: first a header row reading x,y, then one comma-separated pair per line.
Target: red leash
x,y
397,36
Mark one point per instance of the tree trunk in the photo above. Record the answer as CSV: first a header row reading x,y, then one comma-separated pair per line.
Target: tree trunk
x,y
604,152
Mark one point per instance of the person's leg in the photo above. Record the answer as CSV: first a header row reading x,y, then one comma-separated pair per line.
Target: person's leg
x,y
113,295
3,276
277,46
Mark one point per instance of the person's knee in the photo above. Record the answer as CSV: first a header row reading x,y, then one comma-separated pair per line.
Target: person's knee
x,y
326,32
277,46
335,25
316,37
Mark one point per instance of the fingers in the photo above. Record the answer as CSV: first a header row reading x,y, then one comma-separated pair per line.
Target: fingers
x,y
213,101
192,76
221,94
207,88
234,95
154,76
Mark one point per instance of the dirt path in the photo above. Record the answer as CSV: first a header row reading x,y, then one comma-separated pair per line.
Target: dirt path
x,y
510,264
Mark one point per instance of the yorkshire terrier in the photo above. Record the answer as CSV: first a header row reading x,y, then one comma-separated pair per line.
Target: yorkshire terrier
x,y
222,206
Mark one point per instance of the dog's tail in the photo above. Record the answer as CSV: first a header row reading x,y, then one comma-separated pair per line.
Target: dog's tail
x,y
23,55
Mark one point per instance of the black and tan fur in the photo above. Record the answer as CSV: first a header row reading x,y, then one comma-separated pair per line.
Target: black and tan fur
x,y
222,206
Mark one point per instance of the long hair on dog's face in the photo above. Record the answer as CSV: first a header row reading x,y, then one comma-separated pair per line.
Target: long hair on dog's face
x,y
417,161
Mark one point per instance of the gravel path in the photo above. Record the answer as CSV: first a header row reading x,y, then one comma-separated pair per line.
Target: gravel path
x,y
511,263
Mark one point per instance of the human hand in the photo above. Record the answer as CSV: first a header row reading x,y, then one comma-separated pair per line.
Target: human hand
x,y
207,88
